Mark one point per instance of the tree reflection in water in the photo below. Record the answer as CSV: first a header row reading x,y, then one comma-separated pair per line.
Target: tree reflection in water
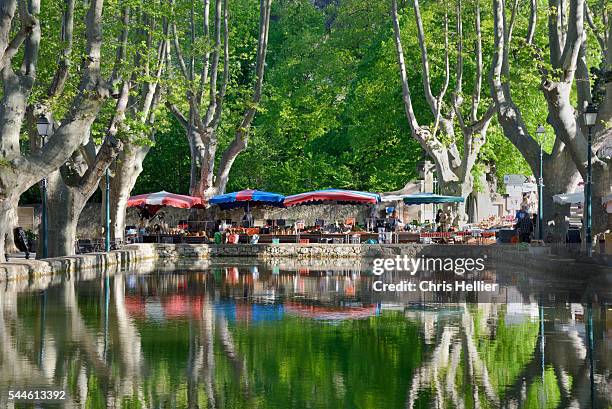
x,y
244,337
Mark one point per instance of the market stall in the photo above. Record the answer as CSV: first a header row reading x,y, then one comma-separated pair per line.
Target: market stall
x,y
153,228
247,199
245,231
335,231
430,198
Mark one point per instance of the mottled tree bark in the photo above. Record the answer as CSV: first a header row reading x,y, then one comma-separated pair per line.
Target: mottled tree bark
x,y
70,188
77,181
128,165
22,171
64,205
453,169
567,161
126,170
204,117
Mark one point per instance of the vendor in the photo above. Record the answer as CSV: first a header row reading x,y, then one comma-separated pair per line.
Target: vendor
x,y
439,218
399,224
442,219
247,219
267,228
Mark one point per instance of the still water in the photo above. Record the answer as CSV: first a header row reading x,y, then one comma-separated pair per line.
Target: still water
x,y
248,335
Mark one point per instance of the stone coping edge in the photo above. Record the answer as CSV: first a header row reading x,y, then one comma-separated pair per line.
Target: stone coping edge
x,y
131,255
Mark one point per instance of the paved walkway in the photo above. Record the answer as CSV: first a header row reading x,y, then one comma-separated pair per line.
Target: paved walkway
x,y
13,256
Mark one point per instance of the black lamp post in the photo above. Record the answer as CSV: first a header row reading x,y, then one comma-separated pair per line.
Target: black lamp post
x,y
107,243
590,117
44,129
540,131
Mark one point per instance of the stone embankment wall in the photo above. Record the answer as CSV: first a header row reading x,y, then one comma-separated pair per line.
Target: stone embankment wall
x,y
172,255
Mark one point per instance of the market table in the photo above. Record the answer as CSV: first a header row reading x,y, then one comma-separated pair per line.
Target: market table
x,y
174,238
312,237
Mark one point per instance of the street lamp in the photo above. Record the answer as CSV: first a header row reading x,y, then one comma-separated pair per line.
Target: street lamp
x,y
107,236
44,129
590,117
540,131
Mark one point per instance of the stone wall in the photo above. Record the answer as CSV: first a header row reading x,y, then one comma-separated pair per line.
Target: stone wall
x,y
319,251
172,255
19,269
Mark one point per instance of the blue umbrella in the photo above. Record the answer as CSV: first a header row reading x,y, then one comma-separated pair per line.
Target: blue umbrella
x,y
428,198
247,198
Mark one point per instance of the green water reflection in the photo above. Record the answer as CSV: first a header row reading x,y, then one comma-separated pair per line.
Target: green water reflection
x,y
240,337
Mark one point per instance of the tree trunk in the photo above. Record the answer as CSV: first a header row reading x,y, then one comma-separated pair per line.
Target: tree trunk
x,y
128,167
208,140
196,148
6,210
64,206
462,188
238,145
560,176
13,222
600,189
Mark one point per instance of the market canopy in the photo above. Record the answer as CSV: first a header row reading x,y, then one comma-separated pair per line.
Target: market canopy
x,y
246,198
163,198
395,198
337,196
569,198
429,198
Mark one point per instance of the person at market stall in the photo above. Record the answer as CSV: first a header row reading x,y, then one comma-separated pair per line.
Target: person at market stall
x,y
144,213
267,227
442,221
390,224
399,224
247,219
525,227
439,218
142,230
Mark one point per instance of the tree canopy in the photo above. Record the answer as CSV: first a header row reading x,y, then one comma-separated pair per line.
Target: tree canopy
x,y
331,114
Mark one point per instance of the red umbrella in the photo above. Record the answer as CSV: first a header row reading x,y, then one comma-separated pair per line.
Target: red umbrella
x,y
338,196
165,199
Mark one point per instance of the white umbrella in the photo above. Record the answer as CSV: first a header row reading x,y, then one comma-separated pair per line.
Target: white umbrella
x,y
569,198
393,198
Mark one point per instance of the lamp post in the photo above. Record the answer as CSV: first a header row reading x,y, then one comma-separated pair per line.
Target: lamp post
x,y
540,131
590,117
107,213
44,127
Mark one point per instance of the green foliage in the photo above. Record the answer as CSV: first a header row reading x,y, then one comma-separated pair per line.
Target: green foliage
x,y
508,352
332,113
362,363
544,392
167,165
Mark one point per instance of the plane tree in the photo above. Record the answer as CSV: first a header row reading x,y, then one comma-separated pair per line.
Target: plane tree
x,y
203,64
455,136
562,65
21,168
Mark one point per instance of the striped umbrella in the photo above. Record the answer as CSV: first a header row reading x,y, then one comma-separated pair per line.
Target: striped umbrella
x,y
337,196
163,198
247,198
428,198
